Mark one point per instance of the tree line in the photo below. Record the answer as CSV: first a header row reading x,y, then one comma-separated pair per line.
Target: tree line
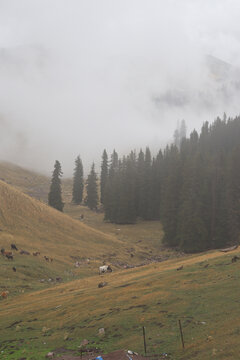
x,y
192,186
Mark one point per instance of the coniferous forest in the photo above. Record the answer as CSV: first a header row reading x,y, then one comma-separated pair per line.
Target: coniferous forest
x,y
192,187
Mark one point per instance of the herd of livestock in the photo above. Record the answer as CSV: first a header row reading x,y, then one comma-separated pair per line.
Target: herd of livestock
x,y
10,256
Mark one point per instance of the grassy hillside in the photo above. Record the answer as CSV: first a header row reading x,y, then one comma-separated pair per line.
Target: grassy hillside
x,y
33,226
30,182
204,295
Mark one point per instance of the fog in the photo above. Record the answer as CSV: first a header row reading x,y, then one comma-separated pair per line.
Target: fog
x,y
78,76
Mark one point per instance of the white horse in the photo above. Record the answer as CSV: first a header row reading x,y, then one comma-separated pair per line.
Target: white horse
x,y
105,268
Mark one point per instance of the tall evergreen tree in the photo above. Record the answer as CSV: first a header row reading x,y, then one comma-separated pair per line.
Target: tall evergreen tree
x,y
104,175
55,193
92,189
78,185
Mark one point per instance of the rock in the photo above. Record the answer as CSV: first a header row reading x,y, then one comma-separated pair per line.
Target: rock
x,y
45,329
50,355
209,338
102,284
101,331
84,342
66,336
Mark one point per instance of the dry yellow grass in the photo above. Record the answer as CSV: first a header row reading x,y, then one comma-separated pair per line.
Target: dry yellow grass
x,y
35,226
155,296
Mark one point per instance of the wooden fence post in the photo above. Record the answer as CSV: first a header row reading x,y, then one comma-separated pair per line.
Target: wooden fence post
x,y
144,340
180,327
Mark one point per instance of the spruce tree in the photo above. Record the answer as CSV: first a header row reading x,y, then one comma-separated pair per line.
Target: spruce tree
x,y
104,175
55,193
92,189
78,185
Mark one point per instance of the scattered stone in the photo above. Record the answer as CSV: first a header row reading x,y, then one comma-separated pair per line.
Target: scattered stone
x,y
209,338
84,342
102,284
66,336
50,355
101,331
45,329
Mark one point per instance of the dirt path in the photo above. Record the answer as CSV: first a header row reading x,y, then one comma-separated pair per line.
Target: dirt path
x,y
116,355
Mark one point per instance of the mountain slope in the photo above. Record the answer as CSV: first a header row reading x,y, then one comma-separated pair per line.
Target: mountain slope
x,y
155,296
35,227
31,182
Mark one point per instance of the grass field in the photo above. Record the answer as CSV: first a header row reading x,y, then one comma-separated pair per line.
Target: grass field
x,y
42,314
206,299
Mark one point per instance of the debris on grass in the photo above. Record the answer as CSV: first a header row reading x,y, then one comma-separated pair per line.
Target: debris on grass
x,y
101,331
50,355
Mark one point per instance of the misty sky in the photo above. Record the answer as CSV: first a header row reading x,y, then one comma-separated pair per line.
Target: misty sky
x,y
78,76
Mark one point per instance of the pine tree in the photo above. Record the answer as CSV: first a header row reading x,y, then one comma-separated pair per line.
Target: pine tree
x,y
104,175
55,193
78,185
92,189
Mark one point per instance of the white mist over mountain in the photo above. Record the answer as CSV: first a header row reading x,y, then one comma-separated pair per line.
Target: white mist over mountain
x,y
81,76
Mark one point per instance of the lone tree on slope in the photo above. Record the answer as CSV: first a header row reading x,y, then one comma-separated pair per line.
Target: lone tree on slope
x,y
55,193
77,191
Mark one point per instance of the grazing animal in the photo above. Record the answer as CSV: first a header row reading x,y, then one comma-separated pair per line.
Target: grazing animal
x,y
235,258
13,247
48,258
102,284
14,269
180,268
24,252
2,251
105,268
9,256
36,253
58,278
4,294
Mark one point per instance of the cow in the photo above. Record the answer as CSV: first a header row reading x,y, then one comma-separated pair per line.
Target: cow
x,y
24,252
235,258
36,253
48,258
2,251
13,247
9,255
180,268
105,268
4,294
14,269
